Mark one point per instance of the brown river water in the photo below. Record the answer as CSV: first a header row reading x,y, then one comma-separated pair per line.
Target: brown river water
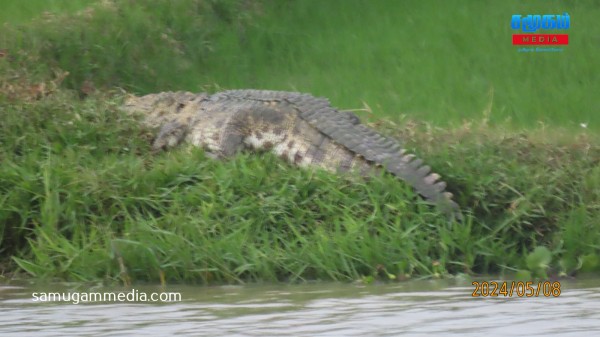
x,y
414,308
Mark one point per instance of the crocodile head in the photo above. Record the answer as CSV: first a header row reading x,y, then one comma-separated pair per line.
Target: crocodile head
x,y
165,107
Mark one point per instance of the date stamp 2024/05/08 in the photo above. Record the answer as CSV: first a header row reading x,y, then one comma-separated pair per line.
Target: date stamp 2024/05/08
x,y
516,289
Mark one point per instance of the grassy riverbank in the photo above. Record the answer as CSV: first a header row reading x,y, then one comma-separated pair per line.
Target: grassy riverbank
x,y
81,197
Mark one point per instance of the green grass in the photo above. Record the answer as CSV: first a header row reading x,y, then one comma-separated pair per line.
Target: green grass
x,y
19,12
437,62
82,197
444,63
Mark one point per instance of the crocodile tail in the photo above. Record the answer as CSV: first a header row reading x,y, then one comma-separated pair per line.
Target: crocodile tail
x,y
345,129
378,149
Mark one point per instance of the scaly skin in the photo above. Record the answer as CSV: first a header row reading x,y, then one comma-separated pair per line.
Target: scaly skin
x,y
301,129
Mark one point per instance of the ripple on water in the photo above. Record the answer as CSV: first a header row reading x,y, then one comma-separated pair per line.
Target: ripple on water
x,y
310,310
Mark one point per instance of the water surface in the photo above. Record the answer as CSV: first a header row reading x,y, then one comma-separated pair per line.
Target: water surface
x,y
415,308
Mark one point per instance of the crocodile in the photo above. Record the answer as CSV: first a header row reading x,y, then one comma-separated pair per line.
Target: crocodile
x,y
301,129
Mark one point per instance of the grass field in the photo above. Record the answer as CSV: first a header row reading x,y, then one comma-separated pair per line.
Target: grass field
x,y
20,12
440,63
82,198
